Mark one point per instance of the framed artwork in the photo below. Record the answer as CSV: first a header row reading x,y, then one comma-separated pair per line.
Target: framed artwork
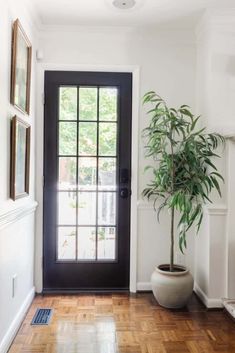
x,y
20,69
20,158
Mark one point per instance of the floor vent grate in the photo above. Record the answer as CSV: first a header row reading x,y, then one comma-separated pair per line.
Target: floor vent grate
x,y
42,317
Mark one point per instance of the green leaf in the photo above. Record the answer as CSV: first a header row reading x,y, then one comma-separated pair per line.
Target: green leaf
x,y
194,123
218,175
215,182
148,167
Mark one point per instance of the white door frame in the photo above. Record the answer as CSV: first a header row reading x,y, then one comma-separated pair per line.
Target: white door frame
x,y
135,70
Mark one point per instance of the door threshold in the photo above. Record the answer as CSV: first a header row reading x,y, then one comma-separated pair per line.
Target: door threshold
x,y
85,291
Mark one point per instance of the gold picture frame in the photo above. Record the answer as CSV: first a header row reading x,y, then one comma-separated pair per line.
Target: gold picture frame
x,y
21,59
20,158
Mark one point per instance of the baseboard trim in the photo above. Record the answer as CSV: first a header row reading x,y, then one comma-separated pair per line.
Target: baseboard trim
x,y
15,325
210,303
144,286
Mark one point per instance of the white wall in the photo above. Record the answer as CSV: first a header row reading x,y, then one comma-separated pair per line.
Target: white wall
x,y
16,218
214,265
167,65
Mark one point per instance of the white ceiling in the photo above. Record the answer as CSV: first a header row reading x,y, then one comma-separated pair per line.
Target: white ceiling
x,y
102,13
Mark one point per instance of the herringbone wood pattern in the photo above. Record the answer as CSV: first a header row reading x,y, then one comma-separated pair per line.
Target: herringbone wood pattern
x,y
122,323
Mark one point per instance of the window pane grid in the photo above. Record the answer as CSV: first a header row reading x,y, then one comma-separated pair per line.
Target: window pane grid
x,y
77,166
97,174
87,121
86,190
100,235
86,225
82,156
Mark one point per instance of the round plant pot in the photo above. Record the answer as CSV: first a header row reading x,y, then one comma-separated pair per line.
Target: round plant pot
x,y
172,289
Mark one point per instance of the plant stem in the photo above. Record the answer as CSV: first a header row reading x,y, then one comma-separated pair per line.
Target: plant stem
x,y
172,239
172,208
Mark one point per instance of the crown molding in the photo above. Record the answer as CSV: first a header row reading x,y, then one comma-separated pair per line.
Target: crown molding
x,y
216,20
45,30
121,32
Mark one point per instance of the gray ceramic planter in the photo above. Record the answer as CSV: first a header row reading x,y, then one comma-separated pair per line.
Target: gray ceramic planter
x,y
172,289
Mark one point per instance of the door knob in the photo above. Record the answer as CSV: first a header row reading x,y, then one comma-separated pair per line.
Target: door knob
x,y
124,193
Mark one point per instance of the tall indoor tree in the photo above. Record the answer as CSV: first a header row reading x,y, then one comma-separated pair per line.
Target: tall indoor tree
x,y
183,172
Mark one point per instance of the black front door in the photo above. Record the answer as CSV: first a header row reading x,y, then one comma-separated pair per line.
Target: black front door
x,y
87,181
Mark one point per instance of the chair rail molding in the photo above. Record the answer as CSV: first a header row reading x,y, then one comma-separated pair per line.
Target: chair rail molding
x,y
216,210
10,216
145,205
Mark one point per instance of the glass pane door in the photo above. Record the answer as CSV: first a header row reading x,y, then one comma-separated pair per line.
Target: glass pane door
x,y
87,181
87,185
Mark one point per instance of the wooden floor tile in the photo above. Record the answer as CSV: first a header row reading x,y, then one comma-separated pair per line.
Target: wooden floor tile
x,y
122,323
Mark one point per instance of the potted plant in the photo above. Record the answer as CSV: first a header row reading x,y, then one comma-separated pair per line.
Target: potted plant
x,y
183,177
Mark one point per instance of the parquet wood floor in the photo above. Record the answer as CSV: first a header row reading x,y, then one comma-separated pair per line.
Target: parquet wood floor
x,y
122,323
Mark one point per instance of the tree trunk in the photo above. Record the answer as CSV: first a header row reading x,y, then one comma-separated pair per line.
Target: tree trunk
x,y
172,240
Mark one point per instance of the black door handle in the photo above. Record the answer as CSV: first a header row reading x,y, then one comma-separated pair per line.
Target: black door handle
x,y
124,193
